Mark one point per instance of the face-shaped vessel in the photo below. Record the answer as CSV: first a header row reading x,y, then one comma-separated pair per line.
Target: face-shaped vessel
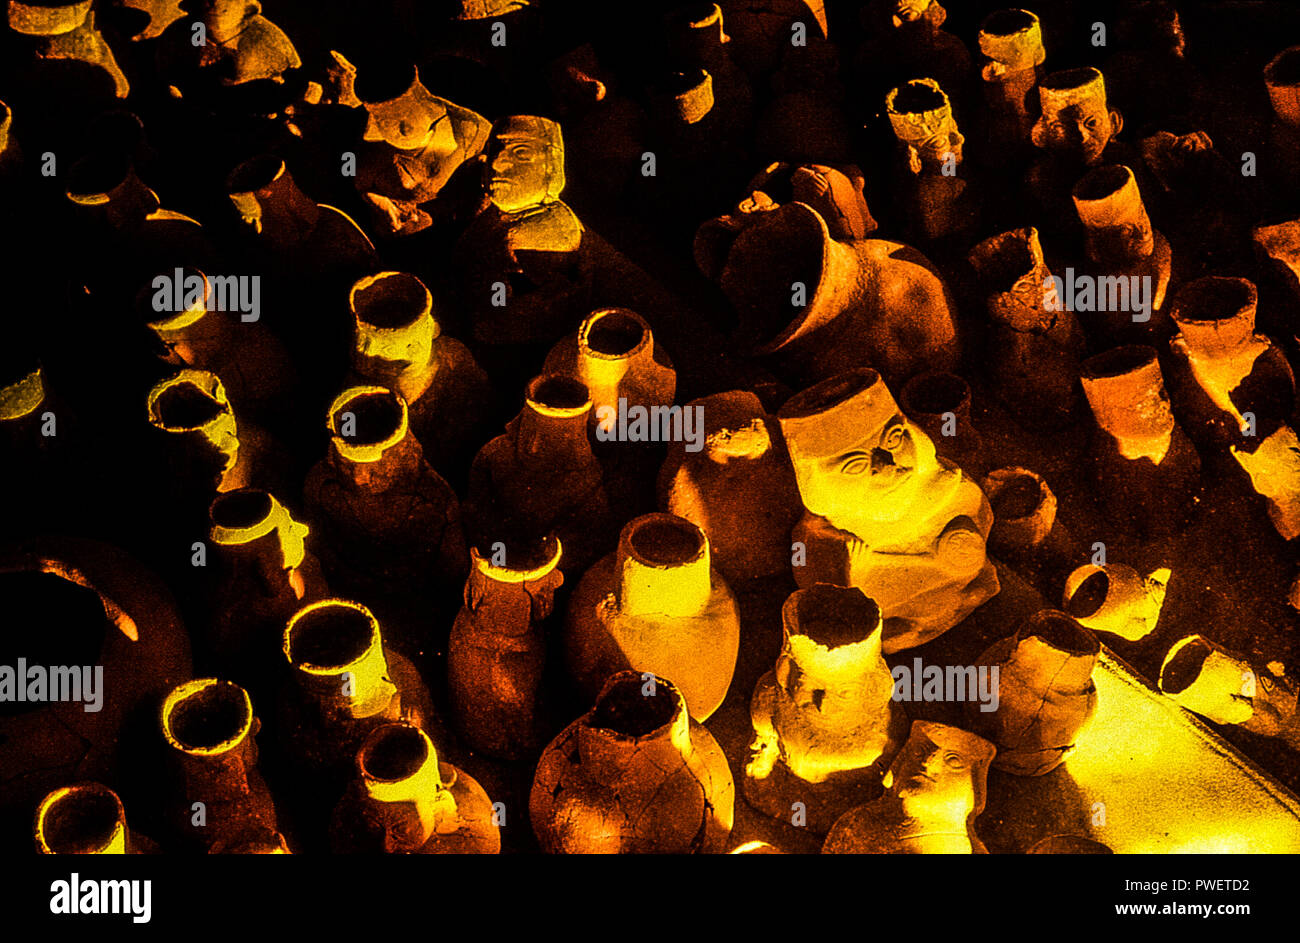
x,y
856,456
525,165
940,772
1076,122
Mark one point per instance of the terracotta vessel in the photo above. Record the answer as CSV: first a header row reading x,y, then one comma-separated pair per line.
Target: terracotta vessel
x,y
940,404
1221,369
1121,244
935,790
656,605
388,525
1144,465
86,819
498,648
345,683
825,722
816,307
634,775
883,512
1012,43
109,612
1046,695
1115,598
398,343
1036,344
220,793
261,559
736,485
938,198
542,477
1229,688
404,801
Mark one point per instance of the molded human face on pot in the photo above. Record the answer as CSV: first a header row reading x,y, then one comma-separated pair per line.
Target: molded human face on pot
x,y
855,454
935,789
1076,122
525,163
633,775
403,113
921,117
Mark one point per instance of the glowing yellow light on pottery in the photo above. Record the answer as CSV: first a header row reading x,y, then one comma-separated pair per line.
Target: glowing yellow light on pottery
x,y
58,803
21,398
365,452
200,688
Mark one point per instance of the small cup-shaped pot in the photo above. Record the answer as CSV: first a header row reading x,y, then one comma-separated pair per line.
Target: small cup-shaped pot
x,y
497,648
656,605
404,801
345,683
825,722
940,403
633,775
1114,598
86,819
1045,693
1024,509
209,726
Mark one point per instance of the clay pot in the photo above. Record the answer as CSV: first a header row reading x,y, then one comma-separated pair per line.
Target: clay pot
x,y
937,197
219,793
110,612
940,404
936,789
64,36
615,356
262,561
1114,598
497,648
634,775
242,46
1012,42
207,449
1024,510
825,722
1036,345
86,819
864,302
345,683
1274,470
398,344
1145,468
1121,243
1221,369
656,605
1045,693
542,478
736,484
404,801
882,512
389,526
1228,688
